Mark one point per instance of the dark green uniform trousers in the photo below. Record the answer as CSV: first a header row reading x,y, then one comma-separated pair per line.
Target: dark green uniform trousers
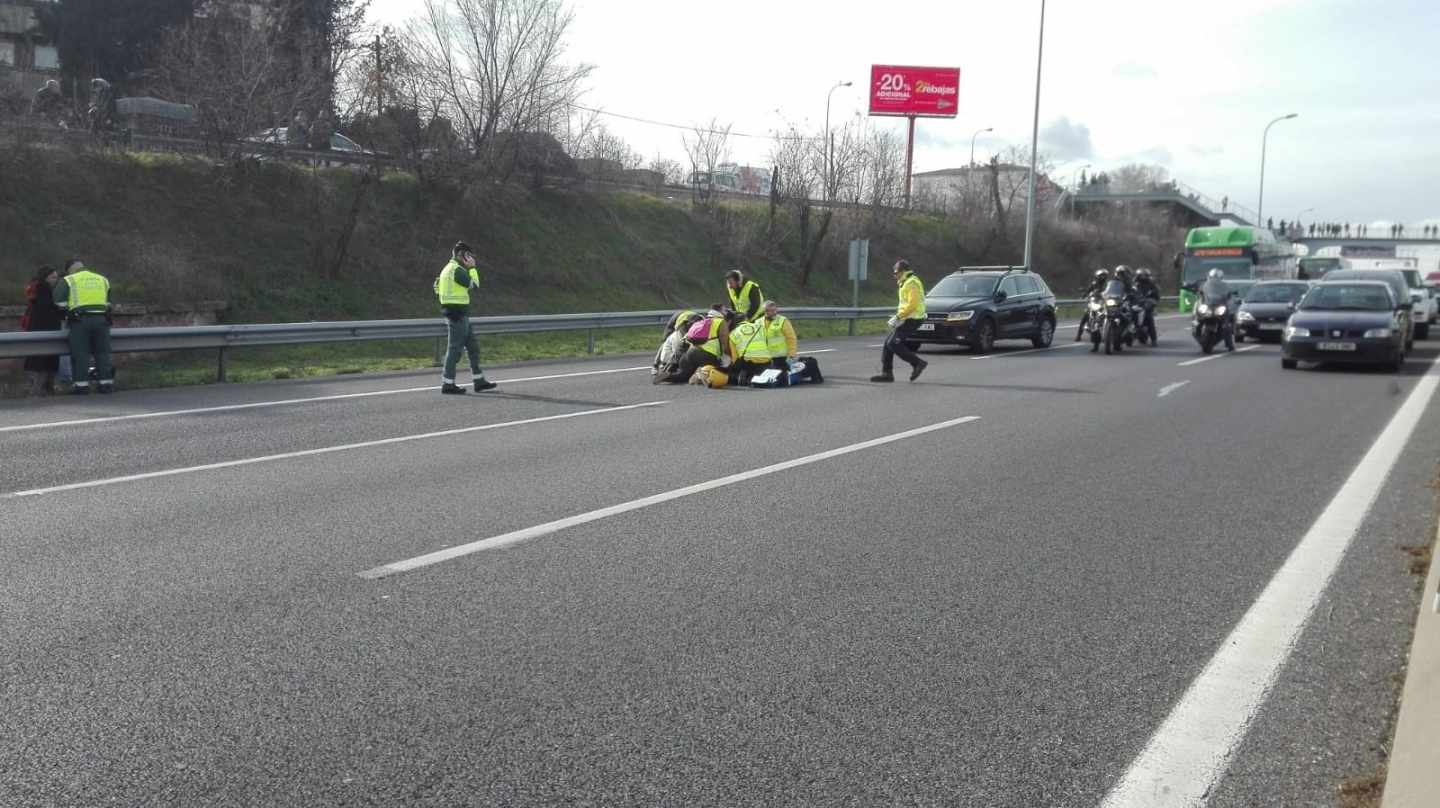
x,y
460,340
90,337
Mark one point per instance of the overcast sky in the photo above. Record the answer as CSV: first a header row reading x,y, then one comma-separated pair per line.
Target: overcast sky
x,y
1188,86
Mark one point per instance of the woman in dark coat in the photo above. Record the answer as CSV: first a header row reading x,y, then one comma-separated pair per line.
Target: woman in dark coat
x,y
41,314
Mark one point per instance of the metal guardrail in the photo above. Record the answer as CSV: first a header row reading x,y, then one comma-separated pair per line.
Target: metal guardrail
x,y
223,337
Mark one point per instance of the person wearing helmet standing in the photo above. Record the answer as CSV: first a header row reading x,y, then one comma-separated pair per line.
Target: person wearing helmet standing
x,y
1096,287
907,320
84,296
745,296
453,288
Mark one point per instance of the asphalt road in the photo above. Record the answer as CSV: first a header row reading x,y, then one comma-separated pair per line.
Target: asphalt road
x,y
995,612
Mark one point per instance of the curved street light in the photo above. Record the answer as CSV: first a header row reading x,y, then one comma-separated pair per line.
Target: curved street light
x,y
829,147
978,133
1264,144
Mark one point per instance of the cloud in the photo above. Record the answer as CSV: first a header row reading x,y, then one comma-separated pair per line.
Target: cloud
x,y
1065,140
1159,155
1208,151
1134,71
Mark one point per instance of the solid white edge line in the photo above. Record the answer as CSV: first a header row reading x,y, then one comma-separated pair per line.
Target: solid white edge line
x,y
1192,749
283,402
35,492
515,537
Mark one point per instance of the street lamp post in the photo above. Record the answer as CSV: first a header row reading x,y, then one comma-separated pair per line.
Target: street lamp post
x,y
829,145
978,133
1075,186
1034,141
1264,144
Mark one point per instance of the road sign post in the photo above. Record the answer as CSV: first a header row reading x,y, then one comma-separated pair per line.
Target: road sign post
x,y
859,271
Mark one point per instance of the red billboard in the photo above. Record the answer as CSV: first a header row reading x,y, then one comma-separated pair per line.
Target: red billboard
x,y
925,92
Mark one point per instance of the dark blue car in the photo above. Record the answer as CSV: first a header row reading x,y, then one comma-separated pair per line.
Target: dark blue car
x,y
1347,322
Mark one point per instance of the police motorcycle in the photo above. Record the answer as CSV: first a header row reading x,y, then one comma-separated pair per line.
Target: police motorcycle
x,y
1214,320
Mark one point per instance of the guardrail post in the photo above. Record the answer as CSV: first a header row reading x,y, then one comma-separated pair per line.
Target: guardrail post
x,y
220,367
590,341
439,352
852,326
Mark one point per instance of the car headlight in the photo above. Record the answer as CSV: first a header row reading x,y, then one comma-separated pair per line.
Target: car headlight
x,y
1203,308
959,316
1245,315
1378,333
1220,310
1295,331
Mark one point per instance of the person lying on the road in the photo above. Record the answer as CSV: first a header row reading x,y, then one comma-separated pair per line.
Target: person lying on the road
x,y
709,340
672,348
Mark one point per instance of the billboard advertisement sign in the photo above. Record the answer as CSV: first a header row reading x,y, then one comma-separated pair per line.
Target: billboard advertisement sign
x,y
924,92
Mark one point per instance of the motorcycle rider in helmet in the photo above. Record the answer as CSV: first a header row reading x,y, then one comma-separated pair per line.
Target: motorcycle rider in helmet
x,y
1097,286
1145,289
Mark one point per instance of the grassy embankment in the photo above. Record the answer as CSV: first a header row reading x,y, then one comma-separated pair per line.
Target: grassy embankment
x,y
265,240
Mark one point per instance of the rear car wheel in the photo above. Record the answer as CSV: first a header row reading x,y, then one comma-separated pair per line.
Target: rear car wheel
x,y
1045,335
984,340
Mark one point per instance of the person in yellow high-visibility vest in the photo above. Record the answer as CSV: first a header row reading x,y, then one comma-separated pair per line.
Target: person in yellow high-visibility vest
x,y
84,296
709,345
751,352
785,347
453,287
745,295
907,320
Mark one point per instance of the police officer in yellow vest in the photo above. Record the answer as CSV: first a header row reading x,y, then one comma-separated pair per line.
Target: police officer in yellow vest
x,y
453,288
751,351
85,298
907,320
745,296
785,347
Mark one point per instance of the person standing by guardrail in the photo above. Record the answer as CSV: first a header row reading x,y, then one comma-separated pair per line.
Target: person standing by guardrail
x,y
453,288
41,314
745,295
907,320
85,297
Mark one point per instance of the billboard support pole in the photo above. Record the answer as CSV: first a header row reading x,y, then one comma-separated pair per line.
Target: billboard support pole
x,y
909,158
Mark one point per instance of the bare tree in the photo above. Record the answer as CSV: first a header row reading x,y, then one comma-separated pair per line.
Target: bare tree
x,y
670,171
498,66
236,74
707,146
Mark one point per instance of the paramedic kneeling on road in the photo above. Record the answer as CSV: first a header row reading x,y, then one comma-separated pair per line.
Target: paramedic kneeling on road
x,y
785,347
709,343
907,320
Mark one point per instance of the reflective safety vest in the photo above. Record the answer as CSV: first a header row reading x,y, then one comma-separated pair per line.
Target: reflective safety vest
x,y
89,292
450,292
748,342
912,281
775,336
711,343
740,299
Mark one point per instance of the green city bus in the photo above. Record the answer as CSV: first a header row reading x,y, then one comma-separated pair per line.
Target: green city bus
x,y
1244,254
1314,267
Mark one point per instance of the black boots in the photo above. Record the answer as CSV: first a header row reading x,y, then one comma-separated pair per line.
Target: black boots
x,y
482,384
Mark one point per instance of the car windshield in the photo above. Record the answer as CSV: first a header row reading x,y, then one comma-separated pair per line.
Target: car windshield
x,y
964,286
1347,298
1275,293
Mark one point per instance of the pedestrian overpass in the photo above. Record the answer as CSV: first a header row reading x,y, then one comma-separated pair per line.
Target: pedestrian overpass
x,y
1191,207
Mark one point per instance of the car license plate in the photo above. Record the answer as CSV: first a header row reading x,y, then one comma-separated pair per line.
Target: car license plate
x,y
1337,346
1272,326
927,327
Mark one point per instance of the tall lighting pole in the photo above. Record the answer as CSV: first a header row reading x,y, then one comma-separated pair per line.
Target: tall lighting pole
x,y
1264,144
978,133
829,146
1034,141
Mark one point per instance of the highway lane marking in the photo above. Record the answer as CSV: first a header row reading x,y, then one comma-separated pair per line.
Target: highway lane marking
x,y
518,536
1170,388
1192,749
1218,356
288,401
249,461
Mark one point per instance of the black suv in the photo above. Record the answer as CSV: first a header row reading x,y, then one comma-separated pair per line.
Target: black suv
x,y
975,307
